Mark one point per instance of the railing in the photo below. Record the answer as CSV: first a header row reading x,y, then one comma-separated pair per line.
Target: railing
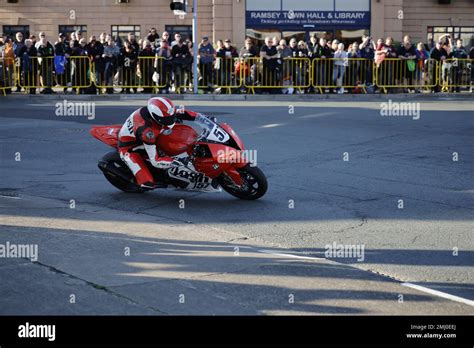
x,y
227,73
282,73
406,73
144,73
157,74
456,73
53,72
181,75
222,73
7,75
354,73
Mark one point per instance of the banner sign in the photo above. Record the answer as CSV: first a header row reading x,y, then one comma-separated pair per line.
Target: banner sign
x,y
321,19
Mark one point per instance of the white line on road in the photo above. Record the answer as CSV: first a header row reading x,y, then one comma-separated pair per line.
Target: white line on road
x,y
272,125
292,256
12,197
409,285
439,293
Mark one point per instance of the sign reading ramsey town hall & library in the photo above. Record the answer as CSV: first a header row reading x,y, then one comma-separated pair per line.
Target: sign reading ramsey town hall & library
x,y
314,13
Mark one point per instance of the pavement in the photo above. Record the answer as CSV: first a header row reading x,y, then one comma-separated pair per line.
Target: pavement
x,y
101,251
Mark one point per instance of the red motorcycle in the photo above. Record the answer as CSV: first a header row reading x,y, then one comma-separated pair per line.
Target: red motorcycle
x,y
207,162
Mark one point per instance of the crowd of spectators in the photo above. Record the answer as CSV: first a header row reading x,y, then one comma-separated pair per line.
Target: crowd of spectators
x,y
163,64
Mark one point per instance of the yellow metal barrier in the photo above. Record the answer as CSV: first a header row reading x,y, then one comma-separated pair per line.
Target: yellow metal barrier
x,y
163,69
80,70
146,73
399,73
228,73
249,71
206,76
40,72
181,72
456,73
222,73
7,75
281,73
353,73
154,73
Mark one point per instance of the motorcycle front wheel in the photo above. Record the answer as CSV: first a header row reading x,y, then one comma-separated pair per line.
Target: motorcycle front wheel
x,y
253,187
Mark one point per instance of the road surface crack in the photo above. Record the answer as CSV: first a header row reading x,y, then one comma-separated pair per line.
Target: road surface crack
x,y
99,287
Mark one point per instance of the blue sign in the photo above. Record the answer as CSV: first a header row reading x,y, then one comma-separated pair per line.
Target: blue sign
x,y
311,19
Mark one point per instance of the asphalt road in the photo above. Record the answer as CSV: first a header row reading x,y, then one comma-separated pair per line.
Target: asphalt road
x,y
107,252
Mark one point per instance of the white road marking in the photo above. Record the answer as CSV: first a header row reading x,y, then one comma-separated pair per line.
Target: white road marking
x,y
439,293
320,114
407,284
272,125
12,197
291,255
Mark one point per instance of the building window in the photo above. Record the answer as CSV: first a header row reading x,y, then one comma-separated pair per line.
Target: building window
x,y
68,29
186,31
464,33
297,35
258,35
124,30
345,36
348,37
11,30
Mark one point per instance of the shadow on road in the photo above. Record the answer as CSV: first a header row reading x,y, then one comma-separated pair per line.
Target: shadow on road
x,y
213,278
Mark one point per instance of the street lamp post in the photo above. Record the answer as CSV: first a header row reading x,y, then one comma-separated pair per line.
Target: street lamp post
x,y
195,48
179,8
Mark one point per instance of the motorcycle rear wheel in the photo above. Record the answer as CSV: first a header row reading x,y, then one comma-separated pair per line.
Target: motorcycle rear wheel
x,y
117,181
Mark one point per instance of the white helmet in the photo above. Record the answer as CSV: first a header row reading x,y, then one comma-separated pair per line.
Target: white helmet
x,y
162,111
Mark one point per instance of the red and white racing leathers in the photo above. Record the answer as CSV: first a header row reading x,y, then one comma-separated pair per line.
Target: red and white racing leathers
x,y
140,131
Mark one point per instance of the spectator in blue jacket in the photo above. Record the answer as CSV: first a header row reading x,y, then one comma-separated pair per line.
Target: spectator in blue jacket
x,y
206,59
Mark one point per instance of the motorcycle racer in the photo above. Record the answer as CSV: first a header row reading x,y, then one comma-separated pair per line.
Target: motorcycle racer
x,y
141,129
